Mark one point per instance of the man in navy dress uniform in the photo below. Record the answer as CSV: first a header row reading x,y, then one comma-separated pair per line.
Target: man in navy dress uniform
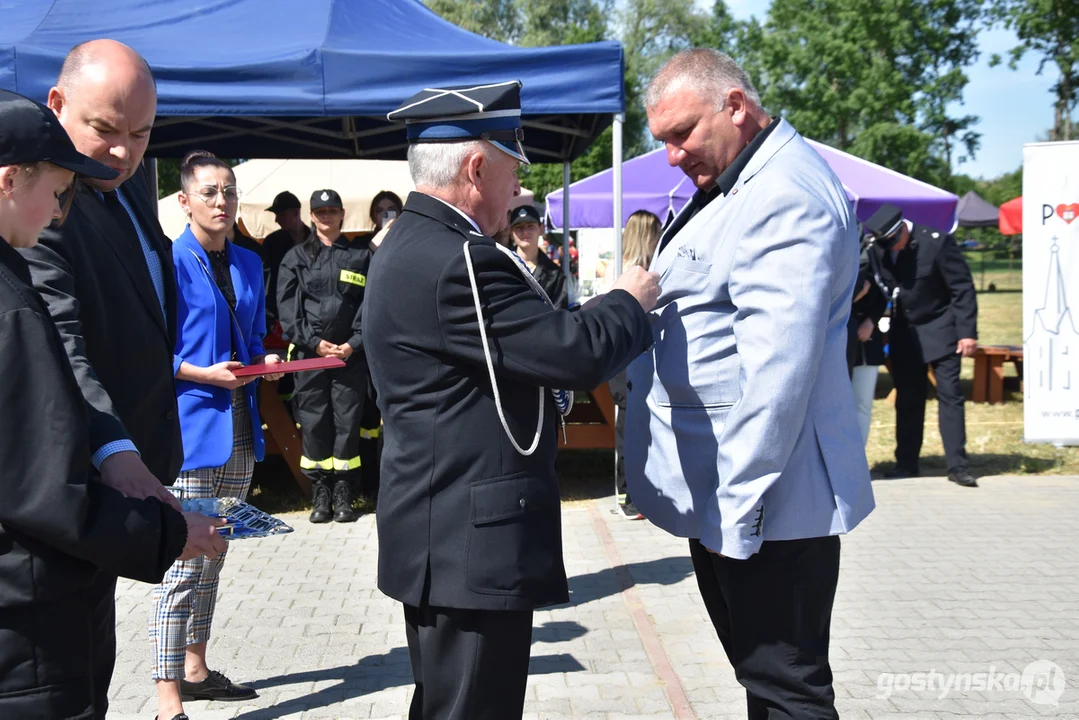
x,y
464,351
934,323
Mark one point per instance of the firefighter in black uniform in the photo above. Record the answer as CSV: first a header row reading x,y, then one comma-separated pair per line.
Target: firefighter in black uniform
x,y
320,289
934,322
58,525
468,511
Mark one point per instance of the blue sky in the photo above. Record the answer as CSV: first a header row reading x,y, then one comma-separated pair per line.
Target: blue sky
x,y
1015,107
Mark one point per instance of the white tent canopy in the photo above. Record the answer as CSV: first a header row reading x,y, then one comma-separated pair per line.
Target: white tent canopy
x,y
259,181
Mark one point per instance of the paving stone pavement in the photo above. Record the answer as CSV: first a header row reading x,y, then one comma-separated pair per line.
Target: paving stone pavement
x,y
957,589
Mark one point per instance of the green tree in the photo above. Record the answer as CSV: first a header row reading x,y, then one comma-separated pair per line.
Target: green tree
x,y
1051,28
495,19
563,22
651,31
168,176
943,43
539,23
872,77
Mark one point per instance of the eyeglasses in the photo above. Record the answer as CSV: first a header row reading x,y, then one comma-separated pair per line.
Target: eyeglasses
x,y
209,194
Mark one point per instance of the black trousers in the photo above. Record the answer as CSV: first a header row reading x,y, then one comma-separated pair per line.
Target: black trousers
x,y
911,377
468,664
371,442
328,404
773,613
102,595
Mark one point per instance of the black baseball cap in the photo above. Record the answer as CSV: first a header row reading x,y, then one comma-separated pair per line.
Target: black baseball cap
x,y
524,214
284,201
326,198
30,133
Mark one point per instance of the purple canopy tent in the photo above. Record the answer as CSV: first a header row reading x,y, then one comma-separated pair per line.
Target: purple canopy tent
x,y
649,183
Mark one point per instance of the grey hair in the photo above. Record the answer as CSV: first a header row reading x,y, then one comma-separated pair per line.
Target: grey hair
x,y
438,165
709,73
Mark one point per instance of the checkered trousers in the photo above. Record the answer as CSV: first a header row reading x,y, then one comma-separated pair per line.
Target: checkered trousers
x,y
184,601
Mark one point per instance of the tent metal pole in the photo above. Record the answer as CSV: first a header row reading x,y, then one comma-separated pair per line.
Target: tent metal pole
x,y
616,162
565,223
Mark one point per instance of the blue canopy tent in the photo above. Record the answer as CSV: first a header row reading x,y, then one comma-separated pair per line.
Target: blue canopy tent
x,y
281,79
277,78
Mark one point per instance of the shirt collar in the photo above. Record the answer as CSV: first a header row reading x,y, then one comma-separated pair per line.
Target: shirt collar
x,y
14,261
729,177
459,212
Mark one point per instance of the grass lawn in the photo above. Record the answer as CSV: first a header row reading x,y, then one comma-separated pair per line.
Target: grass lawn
x,y
994,432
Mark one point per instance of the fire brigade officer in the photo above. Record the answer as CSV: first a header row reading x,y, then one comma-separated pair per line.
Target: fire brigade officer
x,y
320,290
465,349
934,322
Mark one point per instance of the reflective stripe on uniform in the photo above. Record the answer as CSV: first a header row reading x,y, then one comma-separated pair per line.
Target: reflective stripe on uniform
x,y
353,278
370,433
307,463
350,464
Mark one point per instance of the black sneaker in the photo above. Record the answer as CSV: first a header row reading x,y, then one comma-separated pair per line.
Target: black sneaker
x,y
902,472
630,511
215,687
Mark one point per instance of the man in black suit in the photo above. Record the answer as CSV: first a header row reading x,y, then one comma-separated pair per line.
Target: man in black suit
x,y
107,276
934,322
468,512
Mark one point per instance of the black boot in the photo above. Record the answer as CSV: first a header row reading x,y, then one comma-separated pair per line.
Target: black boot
x,y
342,502
320,513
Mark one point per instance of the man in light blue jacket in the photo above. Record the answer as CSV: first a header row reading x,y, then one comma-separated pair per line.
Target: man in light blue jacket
x,y
741,432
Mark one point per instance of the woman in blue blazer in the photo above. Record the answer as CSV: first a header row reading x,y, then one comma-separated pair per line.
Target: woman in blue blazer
x,y
220,324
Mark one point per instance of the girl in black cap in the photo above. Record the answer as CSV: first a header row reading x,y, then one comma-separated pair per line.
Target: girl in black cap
x,y
320,291
57,527
526,229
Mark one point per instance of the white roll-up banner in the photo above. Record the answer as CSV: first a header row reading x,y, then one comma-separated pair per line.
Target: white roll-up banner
x,y
1050,288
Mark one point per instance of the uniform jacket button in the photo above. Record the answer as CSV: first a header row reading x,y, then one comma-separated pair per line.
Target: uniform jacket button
x,y
523,503
170,415
629,386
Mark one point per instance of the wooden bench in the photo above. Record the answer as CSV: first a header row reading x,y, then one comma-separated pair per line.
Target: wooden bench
x,y
590,425
989,371
282,437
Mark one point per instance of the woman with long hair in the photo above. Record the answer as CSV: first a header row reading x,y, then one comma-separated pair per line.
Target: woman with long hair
x,y
385,208
319,298
221,320
639,241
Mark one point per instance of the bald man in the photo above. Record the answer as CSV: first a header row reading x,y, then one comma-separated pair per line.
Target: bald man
x,y
106,276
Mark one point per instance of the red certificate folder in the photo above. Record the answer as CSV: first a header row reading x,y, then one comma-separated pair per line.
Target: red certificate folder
x,y
290,367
